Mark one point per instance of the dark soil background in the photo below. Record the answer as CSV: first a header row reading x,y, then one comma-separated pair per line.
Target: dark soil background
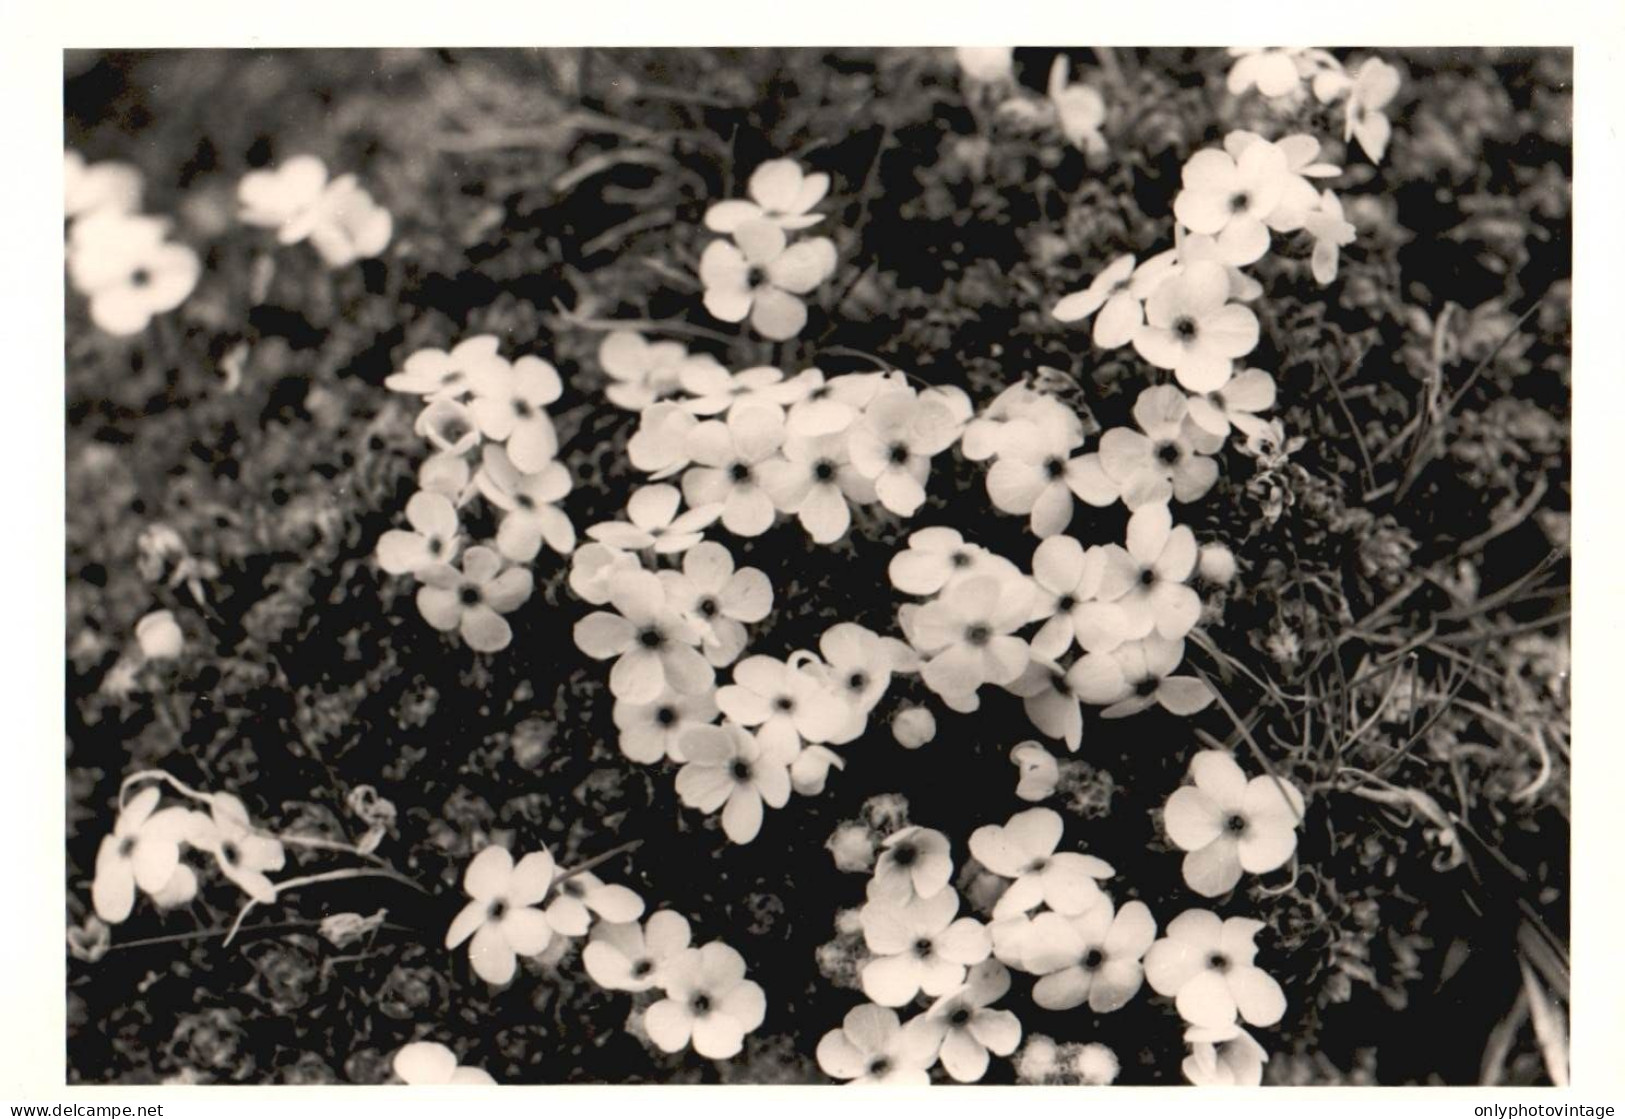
x,y
538,193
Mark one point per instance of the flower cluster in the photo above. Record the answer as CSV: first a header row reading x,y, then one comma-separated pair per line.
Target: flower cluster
x,y
1125,608
917,946
474,400
122,261
1280,74
298,200
759,273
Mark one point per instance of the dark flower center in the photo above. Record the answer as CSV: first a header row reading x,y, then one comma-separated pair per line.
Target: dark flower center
x,y
454,430
857,681
978,634
960,559
823,470
1065,603
1054,468
642,968
436,545
1093,959
904,854
1168,453
923,948
1236,824
1185,327
126,846
140,278
700,1005
960,1016
740,770
1239,202
522,409
879,1066
784,703
524,501
898,453
739,472
708,607
230,852
497,910
1146,688
470,595
1216,399
570,888
1148,577
651,638
666,716
1218,961
1037,866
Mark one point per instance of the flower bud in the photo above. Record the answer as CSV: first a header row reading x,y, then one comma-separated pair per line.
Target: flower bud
x,y
1096,1064
913,727
811,769
1216,563
160,636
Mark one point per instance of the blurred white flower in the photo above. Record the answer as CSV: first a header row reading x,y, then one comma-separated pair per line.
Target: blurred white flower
x,y
987,65
913,727
296,199
659,447
159,636
1235,403
641,372
1216,564
1120,311
593,565
1375,84
1223,1057
129,271
90,188
780,193
1331,232
914,862
1079,109
449,425
143,851
1272,70
241,852
434,374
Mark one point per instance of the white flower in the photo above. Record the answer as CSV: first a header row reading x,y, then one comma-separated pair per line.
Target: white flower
x,y
631,957
963,1027
714,391
830,407
1160,557
985,435
726,457
914,863
659,447
435,374
1079,109
932,558
90,188
1191,329
449,425
858,667
1167,457
641,372
987,65
510,405
577,897
810,770
913,727
1076,599
1035,473
143,850
1235,403
1121,312
871,1047
127,269
1206,966
968,634
710,594
1050,702
652,643
473,600
1229,824
919,948
448,475
1137,675
1375,84
502,916
652,731
785,705
1302,154
1039,771
1229,198
728,768
1273,70
339,218
159,636
530,504
781,194
593,565
655,522
1223,1057
434,538
1216,563
1023,849
1092,957
242,854
761,276
892,445
709,1003
1331,232
429,1062
1096,1064
814,481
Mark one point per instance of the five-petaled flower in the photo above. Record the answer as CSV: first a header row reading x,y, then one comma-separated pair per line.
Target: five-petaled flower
x,y
726,767
1167,457
762,276
503,915
473,600
128,269
1193,329
652,644
709,1003
143,850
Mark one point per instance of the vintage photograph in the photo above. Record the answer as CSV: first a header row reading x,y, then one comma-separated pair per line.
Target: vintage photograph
x,y
1041,565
